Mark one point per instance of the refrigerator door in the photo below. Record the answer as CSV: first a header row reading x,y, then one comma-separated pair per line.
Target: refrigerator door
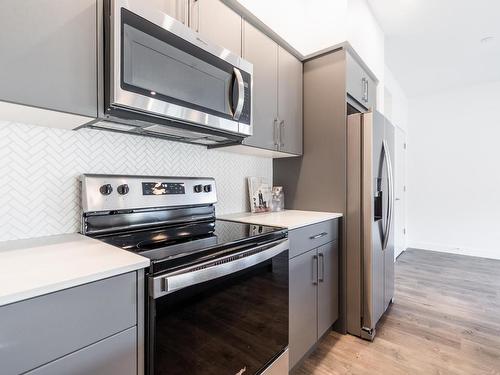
x,y
370,277
374,186
390,240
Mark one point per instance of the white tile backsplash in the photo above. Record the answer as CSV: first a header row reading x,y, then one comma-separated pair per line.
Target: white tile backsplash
x,y
40,167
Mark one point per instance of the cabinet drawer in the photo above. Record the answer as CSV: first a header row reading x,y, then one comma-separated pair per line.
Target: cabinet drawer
x,y
312,236
42,329
115,355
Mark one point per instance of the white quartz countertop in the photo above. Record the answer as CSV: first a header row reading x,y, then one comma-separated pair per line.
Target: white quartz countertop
x,y
33,267
290,219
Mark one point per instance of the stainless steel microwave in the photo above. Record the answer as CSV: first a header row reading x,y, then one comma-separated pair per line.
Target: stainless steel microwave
x,y
164,79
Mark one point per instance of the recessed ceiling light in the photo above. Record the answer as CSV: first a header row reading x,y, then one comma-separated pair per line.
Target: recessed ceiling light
x,y
487,39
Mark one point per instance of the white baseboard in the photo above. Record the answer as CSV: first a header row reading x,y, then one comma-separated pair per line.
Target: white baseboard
x,y
482,253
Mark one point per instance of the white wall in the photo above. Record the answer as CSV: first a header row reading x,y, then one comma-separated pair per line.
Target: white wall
x,y
454,171
40,167
397,110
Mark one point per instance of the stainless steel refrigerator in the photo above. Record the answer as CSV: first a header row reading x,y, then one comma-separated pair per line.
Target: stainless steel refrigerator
x,y
369,221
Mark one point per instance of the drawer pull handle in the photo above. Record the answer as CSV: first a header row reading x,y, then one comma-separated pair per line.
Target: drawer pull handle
x,y
318,236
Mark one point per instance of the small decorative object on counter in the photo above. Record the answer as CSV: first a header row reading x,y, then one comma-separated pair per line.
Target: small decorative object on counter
x,y
259,190
278,199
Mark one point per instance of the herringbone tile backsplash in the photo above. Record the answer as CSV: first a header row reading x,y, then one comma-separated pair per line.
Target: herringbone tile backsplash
x,y
40,167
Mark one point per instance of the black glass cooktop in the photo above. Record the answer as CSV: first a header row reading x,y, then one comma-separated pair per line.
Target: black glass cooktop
x,y
181,244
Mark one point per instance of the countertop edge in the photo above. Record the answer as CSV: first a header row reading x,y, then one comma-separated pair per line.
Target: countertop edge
x,y
257,219
71,283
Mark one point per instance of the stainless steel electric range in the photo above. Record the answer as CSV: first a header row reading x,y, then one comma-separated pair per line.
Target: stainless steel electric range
x,y
217,290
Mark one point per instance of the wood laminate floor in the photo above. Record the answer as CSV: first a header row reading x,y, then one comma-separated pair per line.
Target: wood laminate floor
x,y
445,320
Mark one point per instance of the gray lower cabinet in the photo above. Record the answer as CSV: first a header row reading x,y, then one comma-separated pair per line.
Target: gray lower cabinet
x,y
115,355
328,286
303,299
40,330
49,54
314,289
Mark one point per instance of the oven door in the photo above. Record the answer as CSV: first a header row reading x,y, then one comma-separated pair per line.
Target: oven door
x,y
228,316
158,66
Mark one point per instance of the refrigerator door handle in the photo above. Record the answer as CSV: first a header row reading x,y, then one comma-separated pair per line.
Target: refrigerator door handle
x,y
390,207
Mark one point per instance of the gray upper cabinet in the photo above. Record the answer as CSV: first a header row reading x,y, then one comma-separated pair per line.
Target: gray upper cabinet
x,y
262,52
216,22
359,83
49,54
328,286
289,103
303,300
177,9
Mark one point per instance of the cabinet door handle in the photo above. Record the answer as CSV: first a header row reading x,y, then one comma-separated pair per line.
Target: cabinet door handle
x,y
315,270
282,130
315,237
321,277
367,83
275,133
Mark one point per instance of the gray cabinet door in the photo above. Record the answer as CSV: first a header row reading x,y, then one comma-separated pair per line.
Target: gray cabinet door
x,y
218,23
177,9
262,52
303,301
290,102
39,330
115,355
49,54
359,84
328,286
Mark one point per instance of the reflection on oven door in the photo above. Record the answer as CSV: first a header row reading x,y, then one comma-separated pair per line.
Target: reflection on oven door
x,y
234,325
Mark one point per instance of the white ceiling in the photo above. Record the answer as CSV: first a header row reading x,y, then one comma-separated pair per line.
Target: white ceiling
x,y
435,45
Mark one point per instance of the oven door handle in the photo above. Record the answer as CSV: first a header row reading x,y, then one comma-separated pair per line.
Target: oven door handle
x,y
210,270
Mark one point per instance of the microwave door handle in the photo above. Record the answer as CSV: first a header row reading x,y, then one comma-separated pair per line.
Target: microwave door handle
x,y
241,94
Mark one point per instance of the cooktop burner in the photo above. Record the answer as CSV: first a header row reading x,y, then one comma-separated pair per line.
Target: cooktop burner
x,y
183,243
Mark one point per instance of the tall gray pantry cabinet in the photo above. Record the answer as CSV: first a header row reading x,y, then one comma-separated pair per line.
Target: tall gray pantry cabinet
x,y
318,180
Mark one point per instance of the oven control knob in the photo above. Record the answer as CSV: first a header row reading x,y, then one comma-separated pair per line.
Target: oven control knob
x,y
207,188
198,188
106,189
123,189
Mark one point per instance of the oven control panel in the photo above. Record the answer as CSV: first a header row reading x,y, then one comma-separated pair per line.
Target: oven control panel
x,y
119,192
163,188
